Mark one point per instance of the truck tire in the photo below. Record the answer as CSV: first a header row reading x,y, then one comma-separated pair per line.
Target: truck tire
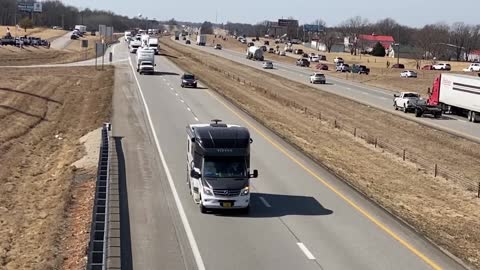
x,y
418,112
437,115
474,117
395,106
469,116
405,110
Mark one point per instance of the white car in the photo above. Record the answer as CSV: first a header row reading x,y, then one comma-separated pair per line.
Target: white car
x,y
318,78
441,66
408,74
281,53
268,65
473,67
314,58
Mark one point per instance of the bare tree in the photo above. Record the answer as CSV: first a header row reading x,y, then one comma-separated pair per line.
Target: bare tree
x,y
353,27
473,42
459,36
329,39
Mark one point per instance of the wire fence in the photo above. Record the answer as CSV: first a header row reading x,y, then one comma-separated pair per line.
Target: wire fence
x,y
436,170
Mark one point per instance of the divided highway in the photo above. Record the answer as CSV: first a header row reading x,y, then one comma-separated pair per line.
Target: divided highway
x,y
302,216
375,97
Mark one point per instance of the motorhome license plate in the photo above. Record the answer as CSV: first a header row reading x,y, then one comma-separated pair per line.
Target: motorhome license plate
x,y
227,204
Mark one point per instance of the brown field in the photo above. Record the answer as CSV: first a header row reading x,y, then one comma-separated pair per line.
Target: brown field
x,y
45,202
43,33
443,210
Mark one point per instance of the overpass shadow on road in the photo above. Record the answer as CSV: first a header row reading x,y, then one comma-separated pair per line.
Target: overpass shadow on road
x,y
280,205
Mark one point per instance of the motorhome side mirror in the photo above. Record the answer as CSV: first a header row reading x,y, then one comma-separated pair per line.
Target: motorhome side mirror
x,y
395,95
251,140
254,174
194,174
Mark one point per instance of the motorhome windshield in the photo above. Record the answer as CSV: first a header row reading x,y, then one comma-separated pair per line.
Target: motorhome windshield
x,y
224,167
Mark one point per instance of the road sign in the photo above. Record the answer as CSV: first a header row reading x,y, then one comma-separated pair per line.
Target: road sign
x,y
313,28
29,7
84,43
109,32
287,23
102,29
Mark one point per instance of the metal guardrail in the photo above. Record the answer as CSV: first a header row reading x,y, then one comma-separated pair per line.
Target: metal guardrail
x,y
97,250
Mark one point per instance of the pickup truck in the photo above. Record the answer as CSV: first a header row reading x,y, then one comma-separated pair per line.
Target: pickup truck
x,y
342,68
405,101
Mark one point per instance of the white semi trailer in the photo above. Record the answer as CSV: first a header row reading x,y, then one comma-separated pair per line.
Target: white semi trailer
x,y
255,53
457,94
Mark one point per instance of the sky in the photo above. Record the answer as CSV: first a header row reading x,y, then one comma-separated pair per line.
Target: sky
x,y
415,13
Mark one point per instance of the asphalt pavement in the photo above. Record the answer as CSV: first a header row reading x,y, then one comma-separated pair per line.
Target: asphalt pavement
x,y
61,42
371,96
302,216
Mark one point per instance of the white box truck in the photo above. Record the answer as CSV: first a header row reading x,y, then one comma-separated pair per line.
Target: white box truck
x,y
457,94
153,44
145,61
81,28
201,40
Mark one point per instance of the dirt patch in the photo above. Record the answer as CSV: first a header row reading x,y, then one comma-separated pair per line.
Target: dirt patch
x,y
43,199
441,209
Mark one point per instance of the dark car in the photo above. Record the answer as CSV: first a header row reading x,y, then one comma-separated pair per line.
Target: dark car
x,y
360,69
266,42
322,57
188,80
398,66
73,37
427,67
322,67
264,48
299,51
93,33
303,62
188,42
305,55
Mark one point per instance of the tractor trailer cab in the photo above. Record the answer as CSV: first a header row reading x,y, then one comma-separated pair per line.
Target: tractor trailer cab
x,y
218,166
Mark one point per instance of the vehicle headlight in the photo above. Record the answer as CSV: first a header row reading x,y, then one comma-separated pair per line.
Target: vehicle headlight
x,y
207,191
245,191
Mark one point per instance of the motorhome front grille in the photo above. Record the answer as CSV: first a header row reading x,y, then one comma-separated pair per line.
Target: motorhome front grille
x,y
226,192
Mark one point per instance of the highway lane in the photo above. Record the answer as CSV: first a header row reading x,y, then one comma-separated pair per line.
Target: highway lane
x,y
375,97
302,216
61,42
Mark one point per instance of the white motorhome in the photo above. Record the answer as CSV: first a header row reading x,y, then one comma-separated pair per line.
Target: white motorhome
x,y
127,35
201,40
218,164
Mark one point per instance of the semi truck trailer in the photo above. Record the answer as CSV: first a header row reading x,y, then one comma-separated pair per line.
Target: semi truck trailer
x,y
457,94
218,166
254,53
201,40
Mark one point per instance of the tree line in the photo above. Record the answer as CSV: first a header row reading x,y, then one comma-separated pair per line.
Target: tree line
x,y
56,13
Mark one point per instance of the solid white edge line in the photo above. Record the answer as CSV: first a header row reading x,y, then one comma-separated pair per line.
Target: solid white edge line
x,y
196,119
189,109
265,202
306,251
183,216
183,101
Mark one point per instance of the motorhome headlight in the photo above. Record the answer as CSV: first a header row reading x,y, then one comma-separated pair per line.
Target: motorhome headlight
x,y
245,191
207,191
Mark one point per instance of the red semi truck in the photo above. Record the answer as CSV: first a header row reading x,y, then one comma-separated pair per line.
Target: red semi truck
x,y
457,94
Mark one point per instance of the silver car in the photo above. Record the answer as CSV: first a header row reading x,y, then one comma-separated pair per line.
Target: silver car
x,y
268,65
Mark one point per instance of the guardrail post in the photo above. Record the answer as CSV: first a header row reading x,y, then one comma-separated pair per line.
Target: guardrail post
x,y
355,132
435,170
375,142
403,154
305,110
335,123
320,116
